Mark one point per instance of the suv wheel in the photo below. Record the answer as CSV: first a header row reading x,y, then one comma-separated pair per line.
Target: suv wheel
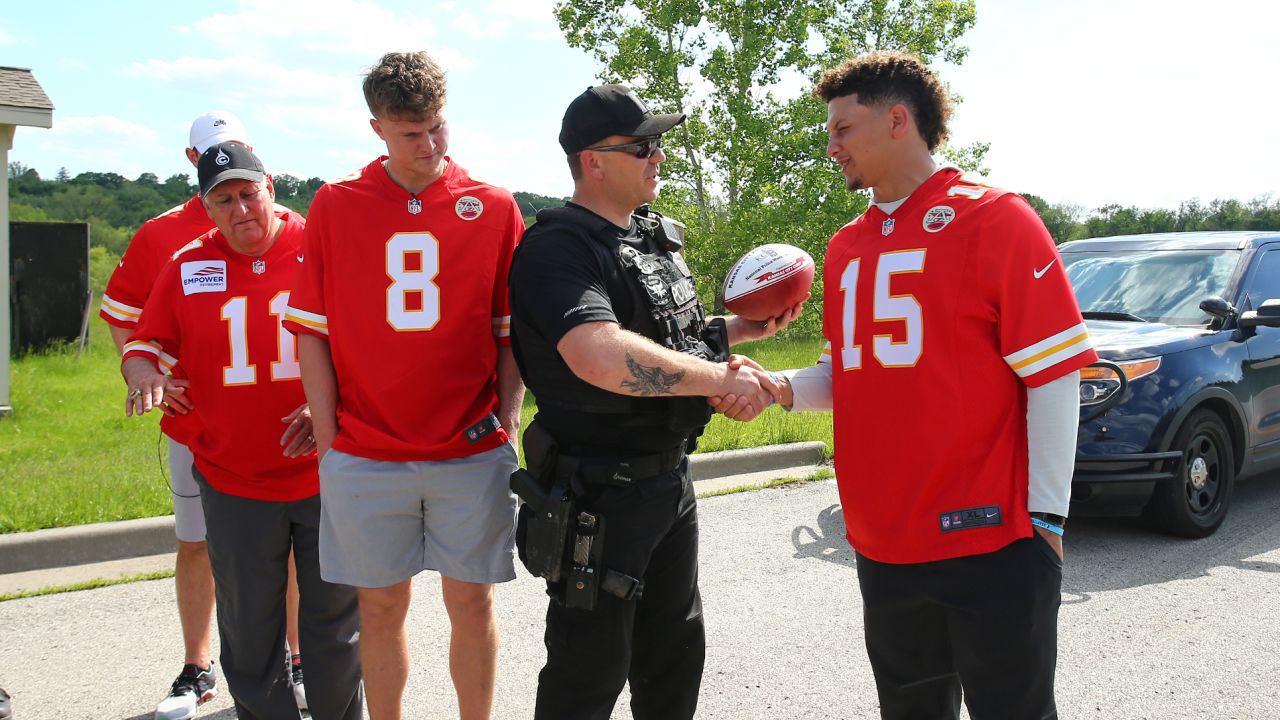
x,y
1195,502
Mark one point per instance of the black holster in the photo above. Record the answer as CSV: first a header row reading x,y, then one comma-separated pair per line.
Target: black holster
x,y
546,511
556,540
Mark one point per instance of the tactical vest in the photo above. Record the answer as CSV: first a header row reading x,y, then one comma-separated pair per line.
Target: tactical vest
x,y
667,311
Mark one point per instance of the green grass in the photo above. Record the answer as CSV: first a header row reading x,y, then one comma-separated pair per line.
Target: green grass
x,y
824,474
89,585
69,456
774,425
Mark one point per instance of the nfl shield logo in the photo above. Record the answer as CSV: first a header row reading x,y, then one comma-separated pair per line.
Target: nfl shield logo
x,y
415,206
259,267
887,227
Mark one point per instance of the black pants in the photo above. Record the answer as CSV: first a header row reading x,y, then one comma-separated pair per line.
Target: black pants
x,y
987,623
249,543
658,642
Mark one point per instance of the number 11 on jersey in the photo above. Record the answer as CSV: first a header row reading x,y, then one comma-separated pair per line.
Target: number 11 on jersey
x,y
240,372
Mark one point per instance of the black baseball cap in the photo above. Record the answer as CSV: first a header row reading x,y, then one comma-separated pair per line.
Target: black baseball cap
x,y
607,110
228,161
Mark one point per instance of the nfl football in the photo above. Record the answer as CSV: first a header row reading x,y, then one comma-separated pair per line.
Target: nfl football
x,y
767,280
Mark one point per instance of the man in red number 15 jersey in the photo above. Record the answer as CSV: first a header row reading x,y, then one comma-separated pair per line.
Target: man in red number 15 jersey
x,y
954,345
402,321
216,311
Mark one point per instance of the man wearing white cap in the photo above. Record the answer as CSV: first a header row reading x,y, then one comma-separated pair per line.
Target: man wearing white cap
x,y
131,283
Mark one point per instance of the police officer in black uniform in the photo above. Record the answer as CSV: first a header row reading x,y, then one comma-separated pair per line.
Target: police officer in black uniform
x,y
613,343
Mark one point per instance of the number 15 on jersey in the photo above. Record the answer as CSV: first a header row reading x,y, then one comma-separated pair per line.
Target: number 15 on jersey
x,y
886,307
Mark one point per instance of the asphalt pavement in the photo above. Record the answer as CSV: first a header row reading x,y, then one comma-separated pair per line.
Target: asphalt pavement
x,y
1151,626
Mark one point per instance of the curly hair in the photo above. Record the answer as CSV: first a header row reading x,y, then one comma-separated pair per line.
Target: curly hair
x,y
892,77
405,85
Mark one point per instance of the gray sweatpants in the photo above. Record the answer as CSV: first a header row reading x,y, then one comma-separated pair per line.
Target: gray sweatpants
x,y
249,543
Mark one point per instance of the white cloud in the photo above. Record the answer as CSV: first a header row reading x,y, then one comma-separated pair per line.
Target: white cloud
x,y
96,142
524,9
242,77
5,38
350,27
534,18
489,158
491,28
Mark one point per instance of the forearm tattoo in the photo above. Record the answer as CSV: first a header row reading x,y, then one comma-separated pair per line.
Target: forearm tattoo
x,y
650,380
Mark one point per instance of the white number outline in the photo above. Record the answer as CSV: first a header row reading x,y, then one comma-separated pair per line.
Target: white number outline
x,y
886,306
240,372
398,248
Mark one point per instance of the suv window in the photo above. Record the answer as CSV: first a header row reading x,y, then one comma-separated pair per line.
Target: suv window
x,y
1265,282
1156,285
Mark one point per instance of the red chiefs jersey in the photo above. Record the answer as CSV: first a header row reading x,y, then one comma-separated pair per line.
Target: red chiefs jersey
x,y
411,294
938,318
131,282
151,248
217,314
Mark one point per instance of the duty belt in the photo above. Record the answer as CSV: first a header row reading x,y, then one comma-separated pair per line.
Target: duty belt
x,y
621,472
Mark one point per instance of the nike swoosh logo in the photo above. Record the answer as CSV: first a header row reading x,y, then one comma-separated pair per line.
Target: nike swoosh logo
x,y
990,515
1040,273
299,258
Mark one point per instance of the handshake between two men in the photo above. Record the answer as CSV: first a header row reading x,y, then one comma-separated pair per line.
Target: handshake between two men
x,y
748,388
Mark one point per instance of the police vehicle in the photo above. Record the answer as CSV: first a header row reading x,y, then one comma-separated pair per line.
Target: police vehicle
x,y
1186,399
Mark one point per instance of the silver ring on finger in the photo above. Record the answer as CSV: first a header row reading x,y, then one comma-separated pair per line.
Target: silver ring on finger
x,y
134,392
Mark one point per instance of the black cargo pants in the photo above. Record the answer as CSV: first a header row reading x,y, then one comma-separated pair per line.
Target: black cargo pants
x,y
657,642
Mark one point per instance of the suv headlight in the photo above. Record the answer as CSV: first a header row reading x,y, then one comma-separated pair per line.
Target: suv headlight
x,y
1099,383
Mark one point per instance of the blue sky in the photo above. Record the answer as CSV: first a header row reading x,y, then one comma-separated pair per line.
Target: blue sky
x,y
1139,102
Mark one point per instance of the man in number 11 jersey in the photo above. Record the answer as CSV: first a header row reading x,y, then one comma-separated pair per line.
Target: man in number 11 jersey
x,y
216,311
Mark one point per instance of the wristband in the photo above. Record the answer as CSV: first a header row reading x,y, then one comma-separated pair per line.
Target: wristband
x,y
1055,529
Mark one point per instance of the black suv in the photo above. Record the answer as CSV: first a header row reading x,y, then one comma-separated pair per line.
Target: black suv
x,y
1185,318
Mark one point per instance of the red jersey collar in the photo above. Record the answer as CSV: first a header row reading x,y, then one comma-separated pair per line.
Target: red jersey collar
x,y
376,170
924,193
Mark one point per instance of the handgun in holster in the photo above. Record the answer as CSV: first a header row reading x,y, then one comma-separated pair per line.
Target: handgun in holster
x,y
557,541
543,524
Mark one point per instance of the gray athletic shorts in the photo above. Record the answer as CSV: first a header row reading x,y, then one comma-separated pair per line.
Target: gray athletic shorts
x,y
188,513
384,522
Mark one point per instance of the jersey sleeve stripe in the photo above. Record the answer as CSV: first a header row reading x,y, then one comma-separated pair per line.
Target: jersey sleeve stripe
x,y
825,356
119,310
162,358
502,326
1050,351
319,323
141,346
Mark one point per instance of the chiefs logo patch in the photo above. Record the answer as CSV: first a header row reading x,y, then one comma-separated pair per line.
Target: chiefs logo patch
x,y
938,217
468,207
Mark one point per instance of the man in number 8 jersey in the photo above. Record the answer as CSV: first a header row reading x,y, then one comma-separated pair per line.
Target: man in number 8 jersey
x,y
216,311
402,321
954,345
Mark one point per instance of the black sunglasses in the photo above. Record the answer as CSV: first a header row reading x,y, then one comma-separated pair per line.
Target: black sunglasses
x,y
642,150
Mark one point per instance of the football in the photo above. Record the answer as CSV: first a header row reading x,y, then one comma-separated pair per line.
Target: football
x,y
767,280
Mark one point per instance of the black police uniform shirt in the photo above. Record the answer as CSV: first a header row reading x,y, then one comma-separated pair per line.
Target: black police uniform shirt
x,y
558,283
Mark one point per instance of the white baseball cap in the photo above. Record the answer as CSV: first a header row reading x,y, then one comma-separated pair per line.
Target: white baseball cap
x,y
214,127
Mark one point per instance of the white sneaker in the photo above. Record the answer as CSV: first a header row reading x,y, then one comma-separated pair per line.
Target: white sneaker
x,y
194,687
295,675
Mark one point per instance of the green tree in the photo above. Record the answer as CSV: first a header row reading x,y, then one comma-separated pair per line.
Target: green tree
x,y
177,188
20,212
749,166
